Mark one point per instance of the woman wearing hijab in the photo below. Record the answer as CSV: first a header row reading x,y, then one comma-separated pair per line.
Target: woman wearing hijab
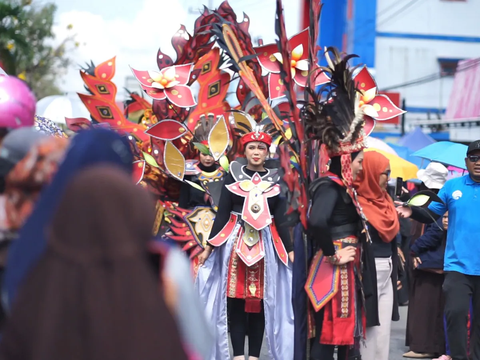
x,y
91,147
92,294
335,225
383,227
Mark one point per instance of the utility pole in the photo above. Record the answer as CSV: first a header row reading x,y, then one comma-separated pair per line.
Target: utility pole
x,y
403,118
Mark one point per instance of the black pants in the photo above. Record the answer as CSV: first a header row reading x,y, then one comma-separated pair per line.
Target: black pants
x,y
325,352
458,289
241,324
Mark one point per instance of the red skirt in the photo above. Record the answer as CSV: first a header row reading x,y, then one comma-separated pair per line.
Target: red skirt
x,y
245,282
333,288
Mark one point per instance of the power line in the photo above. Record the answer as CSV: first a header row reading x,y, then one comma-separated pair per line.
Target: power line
x,y
410,4
367,25
387,9
384,21
431,77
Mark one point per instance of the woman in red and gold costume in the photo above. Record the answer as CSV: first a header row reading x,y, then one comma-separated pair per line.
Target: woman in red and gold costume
x,y
247,263
199,195
341,280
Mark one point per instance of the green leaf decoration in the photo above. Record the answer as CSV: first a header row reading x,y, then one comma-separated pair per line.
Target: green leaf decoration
x,y
418,200
194,185
202,148
423,197
150,160
224,163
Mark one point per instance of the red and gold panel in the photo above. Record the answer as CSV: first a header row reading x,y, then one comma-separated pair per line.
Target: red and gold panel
x,y
100,87
250,255
167,130
218,139
267,59
278,245
255,207
77,124
138,171
181,95
276,87
174,161
246,282
163,60
364,81
225,233
300,39
200,221
385,108
322,281
106,70
213,88
105,111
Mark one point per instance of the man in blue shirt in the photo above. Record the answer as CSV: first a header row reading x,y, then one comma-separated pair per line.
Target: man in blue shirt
x,y
461,197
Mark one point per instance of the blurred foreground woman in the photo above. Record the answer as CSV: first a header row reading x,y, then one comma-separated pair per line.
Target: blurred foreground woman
x,y
88,148
92,295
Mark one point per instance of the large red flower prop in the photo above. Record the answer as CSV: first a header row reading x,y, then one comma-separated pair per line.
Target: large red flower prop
x,y
271,61
376,107
169,83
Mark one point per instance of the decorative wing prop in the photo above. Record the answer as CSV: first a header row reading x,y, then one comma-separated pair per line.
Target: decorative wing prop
x,y
421,198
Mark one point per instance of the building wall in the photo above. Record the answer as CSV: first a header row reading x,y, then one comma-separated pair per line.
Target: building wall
x,y
432,17
409,43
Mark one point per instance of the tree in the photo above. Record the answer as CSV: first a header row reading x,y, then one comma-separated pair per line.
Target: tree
x,y
26,45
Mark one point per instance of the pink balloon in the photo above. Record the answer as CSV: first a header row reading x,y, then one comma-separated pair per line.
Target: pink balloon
x,y
17,103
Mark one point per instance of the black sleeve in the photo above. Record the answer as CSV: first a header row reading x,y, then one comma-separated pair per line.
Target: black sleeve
x,y
323,205
225,207
280,219
184,199
423,215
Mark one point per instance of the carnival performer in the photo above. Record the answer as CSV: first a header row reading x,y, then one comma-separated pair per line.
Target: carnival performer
x,y
383,227
198,204
246,264
341,279
202,172
334,225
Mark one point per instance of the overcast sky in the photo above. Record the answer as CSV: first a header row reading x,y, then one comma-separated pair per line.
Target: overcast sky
x,y
133,30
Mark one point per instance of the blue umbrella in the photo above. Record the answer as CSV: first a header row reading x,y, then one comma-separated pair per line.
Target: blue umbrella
x,y
416,140
445,152
407,154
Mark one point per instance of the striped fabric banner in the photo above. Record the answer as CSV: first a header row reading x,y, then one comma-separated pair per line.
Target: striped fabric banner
x,y
464,101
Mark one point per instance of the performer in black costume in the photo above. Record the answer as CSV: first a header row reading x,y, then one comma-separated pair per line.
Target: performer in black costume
x,y
205,172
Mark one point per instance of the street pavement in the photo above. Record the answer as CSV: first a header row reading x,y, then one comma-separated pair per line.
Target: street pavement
x,y
397,339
